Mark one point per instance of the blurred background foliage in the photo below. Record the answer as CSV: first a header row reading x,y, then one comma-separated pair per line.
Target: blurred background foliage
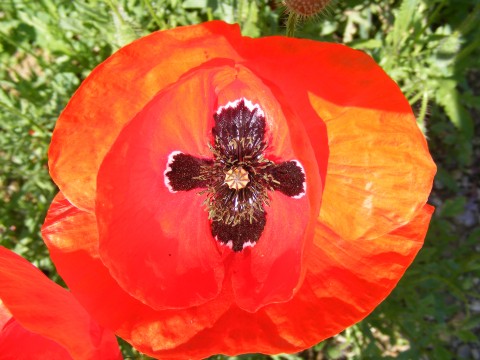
x,y
430,47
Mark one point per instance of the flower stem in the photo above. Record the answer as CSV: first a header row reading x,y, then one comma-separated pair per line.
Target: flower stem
x,y
154,16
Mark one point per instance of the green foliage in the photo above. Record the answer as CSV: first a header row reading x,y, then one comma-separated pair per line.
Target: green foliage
x,y
430,47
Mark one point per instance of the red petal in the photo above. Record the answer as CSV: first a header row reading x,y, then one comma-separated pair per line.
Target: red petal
x,y
46,309
71,236
379,171
17,343
271,270
236,332
168,264
345,281
158,244
119,88
290,69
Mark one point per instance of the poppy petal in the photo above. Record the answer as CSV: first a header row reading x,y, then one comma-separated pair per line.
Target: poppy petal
x,y
184,266
46,309
236,332
270,271
345,281
103,104
388,177
380,171
14,339
157,243
71,237
260,275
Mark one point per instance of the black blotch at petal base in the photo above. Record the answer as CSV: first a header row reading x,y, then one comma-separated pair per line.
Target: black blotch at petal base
x,y
240,234
290,178
185,171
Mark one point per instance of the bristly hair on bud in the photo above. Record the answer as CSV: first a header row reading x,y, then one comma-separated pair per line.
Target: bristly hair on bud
x,y
302,9
305,8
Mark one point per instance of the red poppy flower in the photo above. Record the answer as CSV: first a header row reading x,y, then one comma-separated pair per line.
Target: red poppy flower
x,y
221,194
41,320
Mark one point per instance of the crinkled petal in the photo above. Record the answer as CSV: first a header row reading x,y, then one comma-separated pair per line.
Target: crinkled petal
x,y
379,171
345,281
235,332
104,103
46,309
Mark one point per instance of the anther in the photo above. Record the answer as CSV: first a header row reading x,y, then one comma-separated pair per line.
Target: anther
x,y
236,178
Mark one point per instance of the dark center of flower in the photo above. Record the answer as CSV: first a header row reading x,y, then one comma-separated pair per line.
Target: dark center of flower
x,y
237,180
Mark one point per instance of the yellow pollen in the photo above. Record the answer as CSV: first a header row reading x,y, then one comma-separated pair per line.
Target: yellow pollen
x,y
236,178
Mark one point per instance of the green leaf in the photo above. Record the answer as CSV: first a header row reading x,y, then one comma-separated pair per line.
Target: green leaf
x,y
249,19
454,207
447,179
467,336
194,4
403,21
449,98
472,323
125,29
441,353
366,44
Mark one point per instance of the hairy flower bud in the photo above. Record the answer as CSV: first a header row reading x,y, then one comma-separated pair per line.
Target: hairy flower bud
x,y
306,8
